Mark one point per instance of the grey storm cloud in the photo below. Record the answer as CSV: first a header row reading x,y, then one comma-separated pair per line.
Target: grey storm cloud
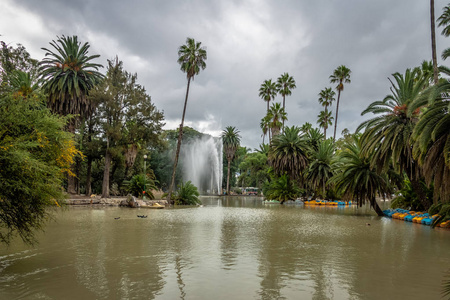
x,y
247,42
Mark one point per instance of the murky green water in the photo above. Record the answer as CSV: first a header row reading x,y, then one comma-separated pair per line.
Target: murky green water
x,y
229,249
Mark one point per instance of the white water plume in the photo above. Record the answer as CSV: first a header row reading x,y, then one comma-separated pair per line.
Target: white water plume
x,y
202,163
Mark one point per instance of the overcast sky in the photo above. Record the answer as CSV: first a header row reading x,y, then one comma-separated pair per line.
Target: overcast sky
x,y
247,42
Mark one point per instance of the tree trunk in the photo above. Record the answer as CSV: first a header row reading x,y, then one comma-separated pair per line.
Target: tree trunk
x,y
88,176
337,110
71,179
180,135
433,42
228,176
283,110
374,204
105,184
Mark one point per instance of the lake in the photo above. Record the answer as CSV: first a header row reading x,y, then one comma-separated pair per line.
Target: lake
x,y
231,248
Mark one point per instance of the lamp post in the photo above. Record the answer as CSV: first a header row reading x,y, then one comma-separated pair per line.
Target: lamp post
x,y
145,174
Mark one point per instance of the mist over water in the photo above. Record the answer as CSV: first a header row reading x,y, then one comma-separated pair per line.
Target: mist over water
x,y
202,163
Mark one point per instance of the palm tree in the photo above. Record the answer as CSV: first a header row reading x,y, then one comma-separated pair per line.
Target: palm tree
x,y
355,177
324,119
313,138
444,21
231,140
389,135
306,127
268,91
265,126
288,153
285,84
191,57
432,139
320,170
433,42
340,76
276,115
326,98
68,75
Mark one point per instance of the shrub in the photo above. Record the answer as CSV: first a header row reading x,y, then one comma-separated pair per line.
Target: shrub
x,y
187,194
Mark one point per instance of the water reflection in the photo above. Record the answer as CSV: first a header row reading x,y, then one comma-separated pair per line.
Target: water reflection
x,y
232,248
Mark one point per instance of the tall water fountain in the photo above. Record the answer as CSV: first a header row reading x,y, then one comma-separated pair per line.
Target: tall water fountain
x,y
202,163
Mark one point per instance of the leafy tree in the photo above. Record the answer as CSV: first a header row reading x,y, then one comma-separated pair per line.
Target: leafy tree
x,y
306,127
282,189
356,178
15,59
285,84
128,118
277,116
192,58
35,152
288,153
320,168
254,169
324,119
326,98
268,91
389,135
265,126
432,139
68,75
140,183
444,21
231,140
187,194
313,138
340,76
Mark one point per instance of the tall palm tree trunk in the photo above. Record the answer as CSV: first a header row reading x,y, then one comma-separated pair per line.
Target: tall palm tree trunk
x,y
283,110
228,176
88,176
337,111
106,171
180,136
433,42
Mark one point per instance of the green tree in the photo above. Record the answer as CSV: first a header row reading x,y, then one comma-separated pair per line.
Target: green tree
x,y
324,119
68,74
191,57
268,91
288,153
231,140
340,76
277,116
254,169
265,126
285,84
389,135
282,189
15,59
187,194
320,167
356,178
35,153
444,21
326,98
432,139
128,118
